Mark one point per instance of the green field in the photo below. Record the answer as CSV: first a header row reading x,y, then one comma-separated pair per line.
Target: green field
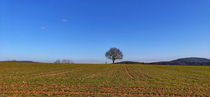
x,y
50,79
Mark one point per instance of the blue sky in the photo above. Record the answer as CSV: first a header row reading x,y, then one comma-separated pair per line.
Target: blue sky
x,y
83,30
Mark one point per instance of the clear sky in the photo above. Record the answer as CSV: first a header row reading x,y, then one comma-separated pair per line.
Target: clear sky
x,y
83,30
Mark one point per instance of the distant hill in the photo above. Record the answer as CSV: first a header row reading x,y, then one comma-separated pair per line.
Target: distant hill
x,y
182,61
192,59
187,61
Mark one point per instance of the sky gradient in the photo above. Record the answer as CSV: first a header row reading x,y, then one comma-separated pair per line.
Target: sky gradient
x,y
83,30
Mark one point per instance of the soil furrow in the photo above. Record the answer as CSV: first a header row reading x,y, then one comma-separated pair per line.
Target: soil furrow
x,y
128,73
104,87
92,93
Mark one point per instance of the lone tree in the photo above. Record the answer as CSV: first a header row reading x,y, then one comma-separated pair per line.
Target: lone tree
x,y
114,54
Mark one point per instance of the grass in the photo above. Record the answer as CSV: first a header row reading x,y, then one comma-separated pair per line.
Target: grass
x,y
50,79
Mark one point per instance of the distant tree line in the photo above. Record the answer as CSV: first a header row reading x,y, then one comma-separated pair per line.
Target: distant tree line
x,y
63,61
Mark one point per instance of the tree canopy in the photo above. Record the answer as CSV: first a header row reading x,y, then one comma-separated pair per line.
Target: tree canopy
x,y
114,54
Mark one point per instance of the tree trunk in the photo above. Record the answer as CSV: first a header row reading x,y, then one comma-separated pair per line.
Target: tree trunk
x,y
113,61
